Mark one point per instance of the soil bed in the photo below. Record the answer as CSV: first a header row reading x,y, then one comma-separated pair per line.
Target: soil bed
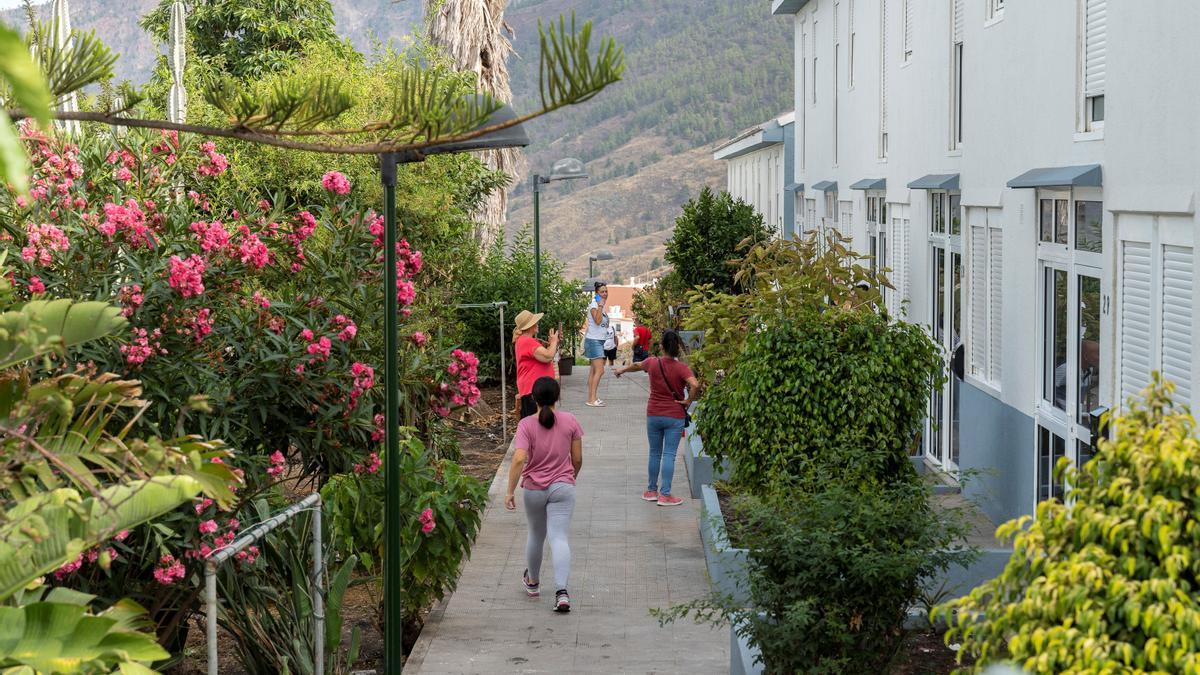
x,y
479,436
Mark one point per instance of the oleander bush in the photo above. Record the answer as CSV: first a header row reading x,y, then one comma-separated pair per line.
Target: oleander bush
x,y
1107,582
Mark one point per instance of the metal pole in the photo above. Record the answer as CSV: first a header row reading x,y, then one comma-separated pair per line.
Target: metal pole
x,y
210,612
537,244
393,609
318,571
591,272
503,384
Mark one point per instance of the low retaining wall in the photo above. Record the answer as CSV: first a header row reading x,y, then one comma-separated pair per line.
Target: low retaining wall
x,y
723,561
701,468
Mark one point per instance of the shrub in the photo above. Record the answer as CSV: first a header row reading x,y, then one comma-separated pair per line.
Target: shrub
x,y
707,237
431,558
1109,582
652,305
780,279
839,394
506,274
831,573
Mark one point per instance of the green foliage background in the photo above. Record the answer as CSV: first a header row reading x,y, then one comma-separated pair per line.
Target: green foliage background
x,y
708,237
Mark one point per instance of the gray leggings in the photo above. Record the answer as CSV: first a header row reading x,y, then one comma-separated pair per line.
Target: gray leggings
x,y
550,509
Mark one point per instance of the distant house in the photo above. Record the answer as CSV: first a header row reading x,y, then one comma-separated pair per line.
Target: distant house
x,y
759,171
620,309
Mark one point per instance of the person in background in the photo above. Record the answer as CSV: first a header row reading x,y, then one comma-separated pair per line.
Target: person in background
x,y
641,342
593,342
547,458
534,359
611,343
665,414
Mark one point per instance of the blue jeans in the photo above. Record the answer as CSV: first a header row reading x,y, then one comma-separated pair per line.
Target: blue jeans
x,y
664,434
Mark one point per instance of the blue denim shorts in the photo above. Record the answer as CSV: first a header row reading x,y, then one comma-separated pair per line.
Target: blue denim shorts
x,y
593,349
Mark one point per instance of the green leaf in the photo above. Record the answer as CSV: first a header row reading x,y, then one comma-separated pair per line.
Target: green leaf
x,y
21,73
43,325
14,163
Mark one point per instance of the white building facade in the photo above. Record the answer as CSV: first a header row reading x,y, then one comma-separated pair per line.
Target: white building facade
x,y
760,171
1028,171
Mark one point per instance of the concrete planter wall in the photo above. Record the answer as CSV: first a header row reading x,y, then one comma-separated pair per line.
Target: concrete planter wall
x,y
742,656
701,468
724,562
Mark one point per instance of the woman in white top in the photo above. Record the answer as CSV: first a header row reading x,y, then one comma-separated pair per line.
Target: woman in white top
x,y
593,341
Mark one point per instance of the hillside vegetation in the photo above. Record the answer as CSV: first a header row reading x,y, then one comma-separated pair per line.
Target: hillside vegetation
x,y
698,72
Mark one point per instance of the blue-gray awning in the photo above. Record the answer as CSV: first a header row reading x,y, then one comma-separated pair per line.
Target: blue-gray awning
x,y
779,7
936,181
826,186
1087,175
794,187
870,184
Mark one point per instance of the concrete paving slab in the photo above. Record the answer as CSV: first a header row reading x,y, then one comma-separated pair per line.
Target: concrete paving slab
x,y
628,556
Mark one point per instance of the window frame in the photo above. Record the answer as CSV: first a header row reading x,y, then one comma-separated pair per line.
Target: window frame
x,y
949,245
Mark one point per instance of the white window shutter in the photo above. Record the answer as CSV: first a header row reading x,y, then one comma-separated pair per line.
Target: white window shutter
x,y
959,20
1177,320
1135,318
883,31
995,317
908,28
1095,47
979,301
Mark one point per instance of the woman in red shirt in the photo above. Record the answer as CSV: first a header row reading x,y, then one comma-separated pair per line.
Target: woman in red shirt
x,y
665,414
534,359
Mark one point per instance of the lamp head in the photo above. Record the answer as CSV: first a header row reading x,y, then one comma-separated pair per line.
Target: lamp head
x,y
567,168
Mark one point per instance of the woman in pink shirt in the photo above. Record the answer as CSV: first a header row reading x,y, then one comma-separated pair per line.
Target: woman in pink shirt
x,y
665,414
546,461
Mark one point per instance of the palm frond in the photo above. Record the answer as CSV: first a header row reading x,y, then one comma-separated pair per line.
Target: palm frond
x,y
83,60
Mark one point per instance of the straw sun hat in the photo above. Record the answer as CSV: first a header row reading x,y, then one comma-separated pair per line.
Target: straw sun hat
x,y
526,320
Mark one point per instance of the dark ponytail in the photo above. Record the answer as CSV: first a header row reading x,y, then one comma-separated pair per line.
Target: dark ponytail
x,y
545,394
671,344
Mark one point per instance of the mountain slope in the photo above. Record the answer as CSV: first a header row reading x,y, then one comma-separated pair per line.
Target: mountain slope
x,y
697,72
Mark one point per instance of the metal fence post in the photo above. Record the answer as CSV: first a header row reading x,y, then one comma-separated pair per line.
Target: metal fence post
x,y
503,382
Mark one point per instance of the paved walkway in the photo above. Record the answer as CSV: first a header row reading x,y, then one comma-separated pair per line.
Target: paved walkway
x,y
627,556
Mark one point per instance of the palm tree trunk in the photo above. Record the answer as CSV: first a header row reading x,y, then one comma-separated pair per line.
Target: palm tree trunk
x,y
472,33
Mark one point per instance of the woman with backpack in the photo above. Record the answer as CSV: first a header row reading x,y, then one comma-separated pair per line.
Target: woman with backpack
x,y
666,414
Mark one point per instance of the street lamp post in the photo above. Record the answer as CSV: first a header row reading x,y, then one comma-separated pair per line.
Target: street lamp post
x,y
568,168
600,255
393,609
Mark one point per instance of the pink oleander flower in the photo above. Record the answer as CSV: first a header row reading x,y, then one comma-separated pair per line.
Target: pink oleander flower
x,y
299,369
264,205
43,241
202,324
336,183
260,300
129,219
347,334
208,527
186,276
130,298
215,163
419,338
36,286
233,524
303,229
253,252
278,461
143,346
248,555
212,236
206,502
376,229
306,335
320,348
169,570
377,434
69,567
371,466
427,523
124,175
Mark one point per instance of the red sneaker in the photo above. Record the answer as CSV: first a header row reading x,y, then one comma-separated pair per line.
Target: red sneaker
x,y
650,495
668,500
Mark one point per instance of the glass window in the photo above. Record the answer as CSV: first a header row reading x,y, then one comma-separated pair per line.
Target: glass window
x,y
955,223
1046,220
1084,453
1088,226
1051,448
1097,103
1060,221
937,216
1055,387
1089,347
872,216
